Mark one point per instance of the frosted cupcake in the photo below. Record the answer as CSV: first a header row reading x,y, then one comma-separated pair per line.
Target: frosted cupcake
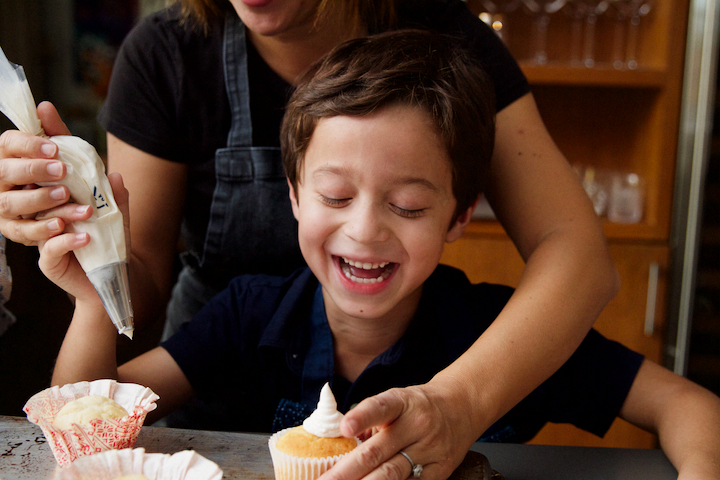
x,y
135,464
99,416
307,451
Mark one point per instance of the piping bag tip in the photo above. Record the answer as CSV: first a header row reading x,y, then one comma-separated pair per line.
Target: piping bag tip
x,y
111,283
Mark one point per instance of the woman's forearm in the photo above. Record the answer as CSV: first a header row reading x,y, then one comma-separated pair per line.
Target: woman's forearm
x,y
568,278
564,287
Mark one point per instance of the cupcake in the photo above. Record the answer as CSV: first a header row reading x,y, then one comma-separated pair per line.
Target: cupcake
x,y
135,464
100,415
307,451
86,409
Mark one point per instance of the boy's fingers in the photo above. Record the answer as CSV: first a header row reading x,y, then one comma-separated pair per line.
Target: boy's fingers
x,y
122,197
53,251
119,191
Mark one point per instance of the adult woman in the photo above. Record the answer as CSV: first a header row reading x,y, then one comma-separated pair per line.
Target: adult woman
x,y
178,117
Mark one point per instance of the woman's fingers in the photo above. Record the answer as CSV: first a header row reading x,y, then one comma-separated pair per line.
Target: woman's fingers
x,y
69,212
30,200
14,143
50,119
419,421
25,161
31,232
20,198
377,411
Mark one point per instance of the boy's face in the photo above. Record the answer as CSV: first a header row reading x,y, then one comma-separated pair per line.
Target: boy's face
x,y
374,203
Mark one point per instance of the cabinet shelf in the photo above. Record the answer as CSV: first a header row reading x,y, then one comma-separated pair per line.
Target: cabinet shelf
x,y
599,76
613,231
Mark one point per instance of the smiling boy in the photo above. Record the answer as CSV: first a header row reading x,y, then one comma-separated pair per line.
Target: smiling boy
x,y
385,145
374,207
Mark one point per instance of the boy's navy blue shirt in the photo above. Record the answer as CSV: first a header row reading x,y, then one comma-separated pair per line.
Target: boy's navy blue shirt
x,y
260,351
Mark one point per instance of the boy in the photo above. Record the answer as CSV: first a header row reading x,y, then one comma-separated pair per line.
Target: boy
x,y
385,147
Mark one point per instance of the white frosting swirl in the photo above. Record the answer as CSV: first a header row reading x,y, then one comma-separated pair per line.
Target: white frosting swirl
x,y
325,420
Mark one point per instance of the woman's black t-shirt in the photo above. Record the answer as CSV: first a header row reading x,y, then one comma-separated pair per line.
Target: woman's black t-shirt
x,y
167,93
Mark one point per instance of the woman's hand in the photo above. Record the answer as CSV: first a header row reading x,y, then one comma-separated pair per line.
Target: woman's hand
x,y
25,160
430,423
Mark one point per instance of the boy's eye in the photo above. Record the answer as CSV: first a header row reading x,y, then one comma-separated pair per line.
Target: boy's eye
x,y
334,202
404,212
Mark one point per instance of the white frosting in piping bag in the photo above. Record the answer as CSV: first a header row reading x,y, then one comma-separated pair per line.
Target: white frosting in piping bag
x,y
325,420
88,185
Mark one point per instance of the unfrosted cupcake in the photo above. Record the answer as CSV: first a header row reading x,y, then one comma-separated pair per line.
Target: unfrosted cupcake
x,y
307,451
84,410
135,464
84,431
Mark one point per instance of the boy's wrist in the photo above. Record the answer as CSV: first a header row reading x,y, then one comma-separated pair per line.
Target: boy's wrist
x,y
91,310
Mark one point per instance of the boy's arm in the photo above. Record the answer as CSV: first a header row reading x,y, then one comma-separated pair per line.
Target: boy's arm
x,y
88,351
685,416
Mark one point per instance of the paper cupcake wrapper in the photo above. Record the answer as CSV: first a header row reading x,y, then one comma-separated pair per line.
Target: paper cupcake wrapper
x,y
112,464
101,434
290,467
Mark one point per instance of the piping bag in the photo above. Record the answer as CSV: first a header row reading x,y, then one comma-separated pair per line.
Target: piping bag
x,y
104,259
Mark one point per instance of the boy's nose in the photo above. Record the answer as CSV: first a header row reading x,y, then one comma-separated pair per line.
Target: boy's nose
x,y
367,225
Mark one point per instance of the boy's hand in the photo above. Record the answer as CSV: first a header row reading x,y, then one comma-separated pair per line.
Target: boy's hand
x,y
57,261
59,264
422,421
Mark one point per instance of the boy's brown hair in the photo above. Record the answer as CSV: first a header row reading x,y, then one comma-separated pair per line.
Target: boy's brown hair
x,y
432,72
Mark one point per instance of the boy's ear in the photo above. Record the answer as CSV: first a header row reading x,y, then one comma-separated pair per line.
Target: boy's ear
x,y
457,229
293,200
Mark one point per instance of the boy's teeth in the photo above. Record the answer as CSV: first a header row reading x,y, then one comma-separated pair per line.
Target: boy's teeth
x,y
347,263
364,266
364,280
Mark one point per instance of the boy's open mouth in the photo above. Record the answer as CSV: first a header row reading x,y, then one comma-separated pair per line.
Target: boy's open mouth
x,y
367,273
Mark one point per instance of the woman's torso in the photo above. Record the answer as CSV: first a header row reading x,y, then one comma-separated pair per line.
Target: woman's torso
x,y
168,95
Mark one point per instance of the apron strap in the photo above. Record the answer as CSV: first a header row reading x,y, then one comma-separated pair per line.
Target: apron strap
x,y
236,81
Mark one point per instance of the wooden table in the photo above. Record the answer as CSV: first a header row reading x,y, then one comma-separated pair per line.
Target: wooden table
x,y
25,455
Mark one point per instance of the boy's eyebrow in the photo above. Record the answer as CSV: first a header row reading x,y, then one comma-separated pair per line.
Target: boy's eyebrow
x,y
423,182
408,180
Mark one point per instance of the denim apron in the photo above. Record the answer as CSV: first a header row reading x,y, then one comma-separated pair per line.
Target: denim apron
x,y
251,228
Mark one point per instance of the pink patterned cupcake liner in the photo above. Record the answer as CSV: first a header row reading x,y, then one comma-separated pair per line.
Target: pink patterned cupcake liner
x,y
101,434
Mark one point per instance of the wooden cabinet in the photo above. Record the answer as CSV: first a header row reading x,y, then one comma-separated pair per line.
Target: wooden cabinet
x,y
623,120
